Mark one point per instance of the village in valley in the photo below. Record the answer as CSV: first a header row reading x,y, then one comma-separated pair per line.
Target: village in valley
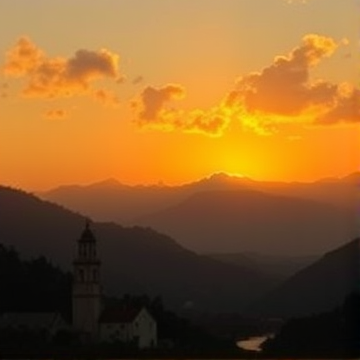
x,y
95,324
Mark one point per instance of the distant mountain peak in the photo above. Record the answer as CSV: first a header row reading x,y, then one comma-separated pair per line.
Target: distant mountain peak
x,y
223,181
224,177
107,183
352,178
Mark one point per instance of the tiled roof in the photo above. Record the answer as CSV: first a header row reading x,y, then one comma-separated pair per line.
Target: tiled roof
x,y
119,315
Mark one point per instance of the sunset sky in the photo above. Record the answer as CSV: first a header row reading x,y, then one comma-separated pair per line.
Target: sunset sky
x,y
149,91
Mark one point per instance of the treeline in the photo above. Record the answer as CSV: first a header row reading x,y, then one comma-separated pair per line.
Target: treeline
x,y
34,285
334,334
37,285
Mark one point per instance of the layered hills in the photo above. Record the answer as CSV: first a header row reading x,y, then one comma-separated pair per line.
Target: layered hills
x,y
319,287
140,260
225,214
135,260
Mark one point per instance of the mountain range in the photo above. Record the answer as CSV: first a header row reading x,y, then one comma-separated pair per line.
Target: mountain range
x,y
140,260
320,287
227,214
135,260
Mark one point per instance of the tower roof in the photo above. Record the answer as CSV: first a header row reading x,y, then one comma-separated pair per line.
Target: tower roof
x,y
87,235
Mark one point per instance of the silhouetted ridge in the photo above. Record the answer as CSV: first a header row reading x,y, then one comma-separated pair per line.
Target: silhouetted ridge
x,y
32,285
319,287
135,260
327,335
324,210
251,220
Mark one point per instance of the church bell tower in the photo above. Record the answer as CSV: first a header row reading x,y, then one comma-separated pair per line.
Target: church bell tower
x,y
86,292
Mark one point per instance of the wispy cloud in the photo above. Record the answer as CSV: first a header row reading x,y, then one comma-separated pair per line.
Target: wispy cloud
x,y
55,114
139,79
106,97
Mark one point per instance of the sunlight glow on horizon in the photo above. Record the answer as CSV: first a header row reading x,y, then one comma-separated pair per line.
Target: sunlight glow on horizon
x,y
250,101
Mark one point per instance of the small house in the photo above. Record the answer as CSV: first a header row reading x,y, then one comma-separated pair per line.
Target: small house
x,y
126,324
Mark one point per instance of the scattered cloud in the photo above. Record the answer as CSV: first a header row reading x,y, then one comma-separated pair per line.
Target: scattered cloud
x,y
106,97
4,90
281,93
153,101
121,79
139,79
284,87
346,109
284,91
52,77
23,58
55,114
152,111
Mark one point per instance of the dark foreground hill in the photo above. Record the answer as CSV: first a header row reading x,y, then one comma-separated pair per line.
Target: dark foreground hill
x,y
330,335
32,285
320,287
135,260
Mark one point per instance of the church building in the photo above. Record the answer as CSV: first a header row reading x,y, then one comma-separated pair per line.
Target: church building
x,y
93,322
86,294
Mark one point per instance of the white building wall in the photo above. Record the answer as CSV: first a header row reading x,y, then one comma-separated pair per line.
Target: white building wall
x,y
143,328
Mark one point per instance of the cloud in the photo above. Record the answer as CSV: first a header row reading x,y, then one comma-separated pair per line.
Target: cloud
x,y
23,58
4,90
285,92
282,93
263,101
48,77
284,87
55,114
121,79
106,97
152,111
139,79
346,109
153,101
211,122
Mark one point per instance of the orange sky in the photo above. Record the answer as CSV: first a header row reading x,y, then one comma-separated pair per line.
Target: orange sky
x,y
170,91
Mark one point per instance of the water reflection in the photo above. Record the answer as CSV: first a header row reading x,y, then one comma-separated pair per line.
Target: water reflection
x,y
253,343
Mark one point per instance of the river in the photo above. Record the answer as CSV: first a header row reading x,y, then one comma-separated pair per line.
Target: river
x,y
253,343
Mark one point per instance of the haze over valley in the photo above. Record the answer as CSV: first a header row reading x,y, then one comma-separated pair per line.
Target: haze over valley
x,y
229,214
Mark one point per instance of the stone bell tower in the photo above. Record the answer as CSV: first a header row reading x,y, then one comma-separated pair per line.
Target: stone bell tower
x,y
86,292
